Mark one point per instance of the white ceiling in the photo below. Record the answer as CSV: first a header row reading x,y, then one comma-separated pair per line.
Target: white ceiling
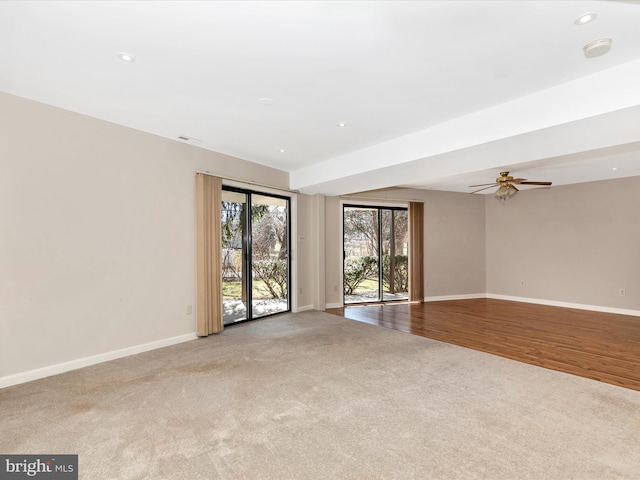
x,y
435,94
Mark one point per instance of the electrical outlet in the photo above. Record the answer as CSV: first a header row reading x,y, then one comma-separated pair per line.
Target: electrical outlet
x,y
522,283
300,291
335,288
189,310
622,292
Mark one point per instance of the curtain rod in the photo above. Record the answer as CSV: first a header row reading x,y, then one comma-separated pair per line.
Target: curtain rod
x,y
249,182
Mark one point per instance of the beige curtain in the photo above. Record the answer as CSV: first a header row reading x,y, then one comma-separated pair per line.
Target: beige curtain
x,y
209,254
416,251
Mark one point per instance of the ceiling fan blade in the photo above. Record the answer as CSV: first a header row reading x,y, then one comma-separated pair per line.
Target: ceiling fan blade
x,y
483,185
518,180
490,186
514,187
535,183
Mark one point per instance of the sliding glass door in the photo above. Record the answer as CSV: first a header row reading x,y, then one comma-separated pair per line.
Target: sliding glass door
x,y
375,267
255,254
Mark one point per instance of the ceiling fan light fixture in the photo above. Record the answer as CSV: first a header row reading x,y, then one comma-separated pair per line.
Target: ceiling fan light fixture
x,y
502,192
505,192
507,185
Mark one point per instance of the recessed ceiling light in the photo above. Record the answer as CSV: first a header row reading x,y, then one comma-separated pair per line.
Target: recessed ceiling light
x,y
597,47
585,18
266,101
282,150
126,57
614,168
342,124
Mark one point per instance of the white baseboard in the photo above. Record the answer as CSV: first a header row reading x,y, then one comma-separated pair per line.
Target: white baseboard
x,y
58,368
539,301
465,296
304,308
554,303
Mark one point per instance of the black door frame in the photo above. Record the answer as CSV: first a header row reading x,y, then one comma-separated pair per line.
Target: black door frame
x,y
247,268
380,268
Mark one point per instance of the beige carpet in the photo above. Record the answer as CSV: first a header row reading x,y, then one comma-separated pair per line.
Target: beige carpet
x,y
316,396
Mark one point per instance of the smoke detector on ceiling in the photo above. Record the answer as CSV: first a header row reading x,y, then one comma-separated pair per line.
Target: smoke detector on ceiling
x,y
597,47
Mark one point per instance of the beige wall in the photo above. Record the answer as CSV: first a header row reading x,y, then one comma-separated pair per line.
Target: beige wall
x,y
305,246
97,238
454,228
333,251
97,234
454,241
574,244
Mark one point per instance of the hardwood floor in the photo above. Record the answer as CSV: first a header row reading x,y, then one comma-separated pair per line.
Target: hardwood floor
x,y
600,346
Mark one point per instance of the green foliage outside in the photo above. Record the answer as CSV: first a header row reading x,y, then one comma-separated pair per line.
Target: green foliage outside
x,y
273,274
269,281
401,273
358,270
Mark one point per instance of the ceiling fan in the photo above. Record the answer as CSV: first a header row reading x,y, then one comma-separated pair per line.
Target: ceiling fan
x,y
506,185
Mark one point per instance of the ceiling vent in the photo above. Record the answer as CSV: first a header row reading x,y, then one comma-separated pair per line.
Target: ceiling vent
x,y
188,139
